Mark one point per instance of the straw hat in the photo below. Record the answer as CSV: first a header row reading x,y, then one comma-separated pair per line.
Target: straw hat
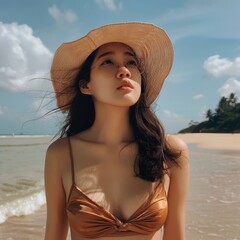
x,y
150,43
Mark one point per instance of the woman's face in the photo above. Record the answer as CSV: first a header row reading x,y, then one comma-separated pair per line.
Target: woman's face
x,y
115,77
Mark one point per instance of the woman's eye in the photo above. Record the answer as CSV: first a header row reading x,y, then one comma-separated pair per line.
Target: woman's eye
x,y
132,63
106,62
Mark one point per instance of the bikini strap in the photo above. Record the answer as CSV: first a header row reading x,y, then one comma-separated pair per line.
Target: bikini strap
x,y
71,158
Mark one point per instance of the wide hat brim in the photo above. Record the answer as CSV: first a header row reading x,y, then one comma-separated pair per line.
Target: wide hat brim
x,y
150,43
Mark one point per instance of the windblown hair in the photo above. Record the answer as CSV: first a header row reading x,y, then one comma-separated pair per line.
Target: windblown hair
x,y
154,154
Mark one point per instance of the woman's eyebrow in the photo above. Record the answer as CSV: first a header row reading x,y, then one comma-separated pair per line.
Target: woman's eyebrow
x,y
105,54
112,53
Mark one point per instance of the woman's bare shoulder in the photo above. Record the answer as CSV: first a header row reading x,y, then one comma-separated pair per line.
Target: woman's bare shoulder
x,y
58,146
58,151
178,145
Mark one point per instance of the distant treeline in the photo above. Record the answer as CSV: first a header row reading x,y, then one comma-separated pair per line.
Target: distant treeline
x,y
224,119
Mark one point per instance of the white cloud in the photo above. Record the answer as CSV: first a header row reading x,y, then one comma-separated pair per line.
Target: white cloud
x,y
109,4
232,85
217,66
169,114
62,16
198,96
23,57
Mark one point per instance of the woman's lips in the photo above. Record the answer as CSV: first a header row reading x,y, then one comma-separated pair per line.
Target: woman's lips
x,y
125,85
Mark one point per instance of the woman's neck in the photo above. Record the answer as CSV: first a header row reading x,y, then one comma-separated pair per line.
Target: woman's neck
x,y
111,125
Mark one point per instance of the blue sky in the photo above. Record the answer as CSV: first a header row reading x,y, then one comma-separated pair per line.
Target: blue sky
x,y
205,36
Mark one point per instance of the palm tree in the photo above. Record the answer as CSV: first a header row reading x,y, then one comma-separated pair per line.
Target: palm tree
x,y
232,99
222,105
209,114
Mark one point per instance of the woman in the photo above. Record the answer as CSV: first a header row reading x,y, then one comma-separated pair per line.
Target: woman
x,y
113,173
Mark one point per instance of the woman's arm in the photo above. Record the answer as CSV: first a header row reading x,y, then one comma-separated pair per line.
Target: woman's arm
x,y
56,226
174,228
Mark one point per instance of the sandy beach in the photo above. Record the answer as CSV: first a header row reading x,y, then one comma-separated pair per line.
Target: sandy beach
x,y
213,204
218,141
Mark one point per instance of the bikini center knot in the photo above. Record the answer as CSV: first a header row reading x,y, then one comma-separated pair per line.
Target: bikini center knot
x,y
122,227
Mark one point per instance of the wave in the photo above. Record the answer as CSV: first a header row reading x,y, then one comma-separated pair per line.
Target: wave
x,y
22,206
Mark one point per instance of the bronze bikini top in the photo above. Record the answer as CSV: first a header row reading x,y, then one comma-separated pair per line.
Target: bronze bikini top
x,y
90,220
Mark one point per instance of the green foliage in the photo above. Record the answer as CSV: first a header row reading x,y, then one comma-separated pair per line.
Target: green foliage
x,y
224,119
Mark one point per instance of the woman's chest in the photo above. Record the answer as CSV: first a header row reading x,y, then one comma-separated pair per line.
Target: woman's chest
x,y
108,179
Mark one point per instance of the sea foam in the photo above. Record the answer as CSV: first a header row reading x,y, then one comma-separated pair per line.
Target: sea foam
x,y
22,206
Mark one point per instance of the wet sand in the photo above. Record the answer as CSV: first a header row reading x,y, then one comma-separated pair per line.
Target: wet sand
x,y
213,205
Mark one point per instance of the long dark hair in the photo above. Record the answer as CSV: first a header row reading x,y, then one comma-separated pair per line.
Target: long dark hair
x,y
154,154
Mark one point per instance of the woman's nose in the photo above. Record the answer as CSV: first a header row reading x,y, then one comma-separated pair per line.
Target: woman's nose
x,y
123,72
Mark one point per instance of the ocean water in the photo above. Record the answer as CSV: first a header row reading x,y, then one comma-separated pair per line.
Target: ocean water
x,y
21,174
